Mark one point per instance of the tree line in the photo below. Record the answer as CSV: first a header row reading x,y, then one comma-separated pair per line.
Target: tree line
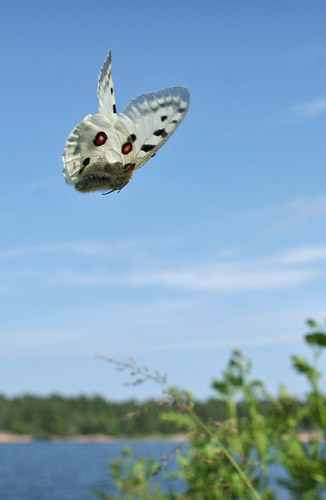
x,y
57,415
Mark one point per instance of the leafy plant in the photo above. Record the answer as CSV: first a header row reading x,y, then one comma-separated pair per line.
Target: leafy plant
x,y
233,459
134,478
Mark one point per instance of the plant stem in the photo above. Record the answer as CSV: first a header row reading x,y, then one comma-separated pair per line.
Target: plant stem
x,y
228,455
321,406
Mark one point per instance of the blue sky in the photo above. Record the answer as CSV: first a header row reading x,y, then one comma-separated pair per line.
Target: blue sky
x,y
218,242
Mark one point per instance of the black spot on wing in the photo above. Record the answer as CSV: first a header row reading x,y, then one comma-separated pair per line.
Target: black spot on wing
x,y
85,163
182,110
163,118
133,137
147,147
114,108
161,132
111,90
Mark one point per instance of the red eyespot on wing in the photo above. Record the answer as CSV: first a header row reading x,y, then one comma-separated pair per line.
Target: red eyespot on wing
x,y
126,148
100,139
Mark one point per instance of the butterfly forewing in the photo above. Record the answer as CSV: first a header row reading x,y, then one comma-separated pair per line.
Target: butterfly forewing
x,y
152,118
105,89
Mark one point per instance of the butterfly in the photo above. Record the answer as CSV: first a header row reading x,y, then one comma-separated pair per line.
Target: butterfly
x,y
104,150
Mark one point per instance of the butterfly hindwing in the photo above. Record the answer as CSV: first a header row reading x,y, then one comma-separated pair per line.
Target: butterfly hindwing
x,y
81,151
152,118
98,155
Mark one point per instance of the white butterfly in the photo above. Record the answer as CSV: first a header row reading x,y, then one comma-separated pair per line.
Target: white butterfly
x,y
103,151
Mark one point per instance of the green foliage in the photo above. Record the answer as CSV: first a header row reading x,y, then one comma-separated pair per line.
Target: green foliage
x,y
231,458
134,478
317,338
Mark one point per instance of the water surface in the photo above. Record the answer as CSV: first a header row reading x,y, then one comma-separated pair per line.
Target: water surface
x,y
65,471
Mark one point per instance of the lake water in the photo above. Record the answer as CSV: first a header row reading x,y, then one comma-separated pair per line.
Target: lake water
x,y
66,471
71,471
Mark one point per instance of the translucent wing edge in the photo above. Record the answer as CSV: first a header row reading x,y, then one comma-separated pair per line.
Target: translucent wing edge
x,y
71,156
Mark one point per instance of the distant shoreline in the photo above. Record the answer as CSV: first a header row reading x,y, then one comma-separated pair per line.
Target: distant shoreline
x,y
8,437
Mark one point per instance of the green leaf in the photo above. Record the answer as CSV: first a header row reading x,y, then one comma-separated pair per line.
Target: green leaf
x,y
283,393
256,383
302,366
235,364
237,381
311,322
220,386
183,420
317,338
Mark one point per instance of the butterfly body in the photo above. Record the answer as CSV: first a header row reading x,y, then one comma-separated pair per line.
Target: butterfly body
x,y
103,151
104,176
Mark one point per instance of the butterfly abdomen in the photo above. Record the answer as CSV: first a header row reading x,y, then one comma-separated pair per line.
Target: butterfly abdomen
x,y
105,177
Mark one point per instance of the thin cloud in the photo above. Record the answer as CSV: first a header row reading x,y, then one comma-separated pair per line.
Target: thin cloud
x,y
304,255
293,214
229,343
272,272
54,344
223,275
231,278
310,109
82,248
